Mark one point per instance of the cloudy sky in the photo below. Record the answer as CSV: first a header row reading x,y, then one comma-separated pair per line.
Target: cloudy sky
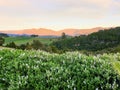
x,y
58,14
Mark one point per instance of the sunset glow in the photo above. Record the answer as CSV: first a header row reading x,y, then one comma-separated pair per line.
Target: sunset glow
x,y
58,14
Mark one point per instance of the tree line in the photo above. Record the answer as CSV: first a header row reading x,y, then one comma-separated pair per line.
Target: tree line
x,y
96,41
101,41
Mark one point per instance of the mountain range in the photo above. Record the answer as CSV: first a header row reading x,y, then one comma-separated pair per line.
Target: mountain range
x,y
49,32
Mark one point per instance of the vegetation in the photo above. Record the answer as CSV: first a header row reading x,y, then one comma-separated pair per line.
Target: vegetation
x,y
11,45
63,36
92,42
1,41
18,40
104,41
37,45
28,69
38,70
3,35
34,35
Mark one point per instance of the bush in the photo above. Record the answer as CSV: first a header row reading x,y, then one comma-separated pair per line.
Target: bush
x,y
11,45
1,41
37,44
38,70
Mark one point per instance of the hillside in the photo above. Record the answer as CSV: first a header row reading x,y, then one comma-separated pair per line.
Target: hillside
x,y
38,70
43,31
95,41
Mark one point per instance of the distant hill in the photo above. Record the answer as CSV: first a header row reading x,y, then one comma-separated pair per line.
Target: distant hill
x,y
49,32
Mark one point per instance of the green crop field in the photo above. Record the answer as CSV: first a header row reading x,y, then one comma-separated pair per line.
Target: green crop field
x,y
39,70
23,40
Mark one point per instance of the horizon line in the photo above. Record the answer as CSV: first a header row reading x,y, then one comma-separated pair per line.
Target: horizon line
x,y
56,29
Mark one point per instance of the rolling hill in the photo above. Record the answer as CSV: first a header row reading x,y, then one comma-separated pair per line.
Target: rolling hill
x,y
103,39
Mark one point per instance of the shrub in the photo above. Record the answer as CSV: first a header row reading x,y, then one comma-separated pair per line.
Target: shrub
x,y
38,70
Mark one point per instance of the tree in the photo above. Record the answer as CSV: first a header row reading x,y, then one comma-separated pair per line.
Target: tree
x,y
22,46
37,44
3,35
34,35
28,46
92,42
1,41
63,35
11,45
54,49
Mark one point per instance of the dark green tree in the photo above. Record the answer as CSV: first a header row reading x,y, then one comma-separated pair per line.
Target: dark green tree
x,y
34,35
37,45
3,35
28,46
96,41
63,36
1,41
22,46
11,45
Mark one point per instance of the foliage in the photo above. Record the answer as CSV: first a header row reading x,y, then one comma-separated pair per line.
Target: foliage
x,y
34,35
11,45
38,70
26,39
1,41
3,35
92,42
63,36
37,44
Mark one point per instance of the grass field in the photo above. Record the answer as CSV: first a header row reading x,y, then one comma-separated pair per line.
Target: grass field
x,y
24,40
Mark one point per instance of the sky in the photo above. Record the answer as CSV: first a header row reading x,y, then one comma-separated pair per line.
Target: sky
x,y
58,14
